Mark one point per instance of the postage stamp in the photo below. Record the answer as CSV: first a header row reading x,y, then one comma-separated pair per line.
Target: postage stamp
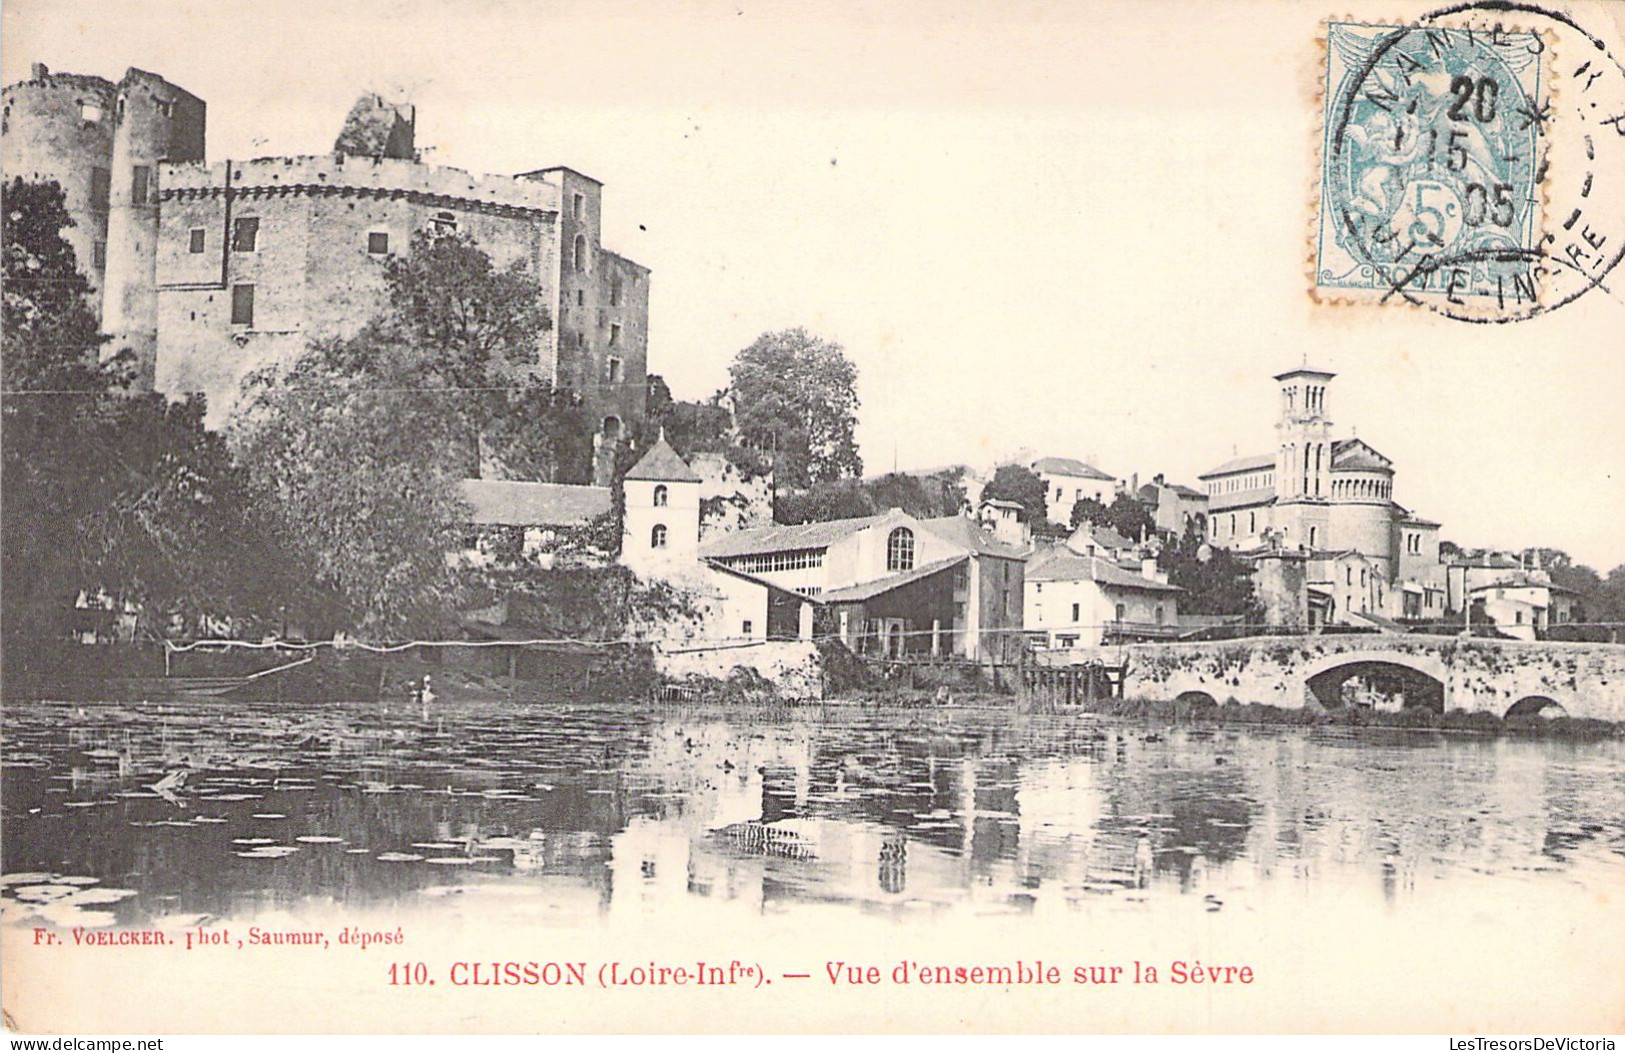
x,y
1432,162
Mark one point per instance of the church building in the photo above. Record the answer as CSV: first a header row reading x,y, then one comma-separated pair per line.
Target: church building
x,y
1328,498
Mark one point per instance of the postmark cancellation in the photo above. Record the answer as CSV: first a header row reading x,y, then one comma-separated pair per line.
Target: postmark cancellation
x,y
1432,162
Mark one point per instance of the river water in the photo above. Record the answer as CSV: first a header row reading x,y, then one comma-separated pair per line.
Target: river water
x,y
900,812
1372,879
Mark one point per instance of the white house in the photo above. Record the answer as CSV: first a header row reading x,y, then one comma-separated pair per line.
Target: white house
x,y
1079,600
1069,481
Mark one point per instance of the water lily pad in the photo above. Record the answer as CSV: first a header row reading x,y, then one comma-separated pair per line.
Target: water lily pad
x,y
90,896
399,857
32,877
320,839
437,845
44,893
269,852
78,879
253,841
269,815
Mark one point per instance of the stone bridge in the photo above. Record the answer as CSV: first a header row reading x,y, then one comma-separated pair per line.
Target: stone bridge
x,y
1503,677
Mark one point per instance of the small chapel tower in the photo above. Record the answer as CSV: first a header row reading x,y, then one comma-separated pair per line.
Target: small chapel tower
x,y
662,518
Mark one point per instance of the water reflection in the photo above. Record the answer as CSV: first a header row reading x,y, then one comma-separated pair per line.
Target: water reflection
x,y
569,813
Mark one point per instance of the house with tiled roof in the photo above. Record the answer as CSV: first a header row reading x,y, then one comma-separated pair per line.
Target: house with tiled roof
x,y
513,520
1068,481
891,583
1086,600
1174,507
1317,494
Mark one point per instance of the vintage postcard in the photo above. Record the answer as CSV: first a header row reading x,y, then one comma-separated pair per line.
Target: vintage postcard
x,y
732,518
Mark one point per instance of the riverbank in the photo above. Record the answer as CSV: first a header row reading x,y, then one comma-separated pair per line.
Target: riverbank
x,y
1252,713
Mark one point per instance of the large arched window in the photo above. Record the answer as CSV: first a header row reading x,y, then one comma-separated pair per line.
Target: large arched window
x,y
657,536
580,253
900,550
660,496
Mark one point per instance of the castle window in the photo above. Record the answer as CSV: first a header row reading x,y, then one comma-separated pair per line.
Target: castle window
x,y
90,112
1312,531
98,255
378,242
1252,522
581,298
1350,572
242,305
140,177
661,495
1159,614
1122,612
443,223
580,254
615,334
615,370
245,234
615,291
745,626
578,205
900,550
657,536
1077,611
195,240
101,184
166,108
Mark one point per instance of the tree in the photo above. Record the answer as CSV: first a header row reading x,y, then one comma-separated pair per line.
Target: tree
x,y
1215,580
100,490
1129,518
1090,510
924,497
466,338
796,395
356,448
1013,482
356,480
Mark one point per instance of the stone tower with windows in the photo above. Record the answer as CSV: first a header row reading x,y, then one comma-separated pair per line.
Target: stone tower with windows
x,y
104,143
661,530
1303,460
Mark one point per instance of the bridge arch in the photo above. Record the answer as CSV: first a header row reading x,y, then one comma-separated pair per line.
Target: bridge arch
x,y
1384,679
1197,698
1536,706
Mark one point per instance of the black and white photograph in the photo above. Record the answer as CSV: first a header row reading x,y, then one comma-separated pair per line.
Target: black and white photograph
x,y
578,518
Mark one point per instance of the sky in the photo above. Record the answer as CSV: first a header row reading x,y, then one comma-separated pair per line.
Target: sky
x,y
1078,229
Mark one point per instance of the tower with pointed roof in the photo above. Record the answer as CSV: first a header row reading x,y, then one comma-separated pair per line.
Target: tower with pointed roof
x,y
662,517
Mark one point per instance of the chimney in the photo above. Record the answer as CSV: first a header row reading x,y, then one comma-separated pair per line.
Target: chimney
x,y
39,71
1134,484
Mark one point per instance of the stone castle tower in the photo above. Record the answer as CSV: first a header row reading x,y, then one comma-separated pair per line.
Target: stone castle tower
x,y
103,143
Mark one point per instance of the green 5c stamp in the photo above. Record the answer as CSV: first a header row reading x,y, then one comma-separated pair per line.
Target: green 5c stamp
x,y
1431,163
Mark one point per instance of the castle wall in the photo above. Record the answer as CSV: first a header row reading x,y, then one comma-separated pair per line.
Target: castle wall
x,y
314,272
